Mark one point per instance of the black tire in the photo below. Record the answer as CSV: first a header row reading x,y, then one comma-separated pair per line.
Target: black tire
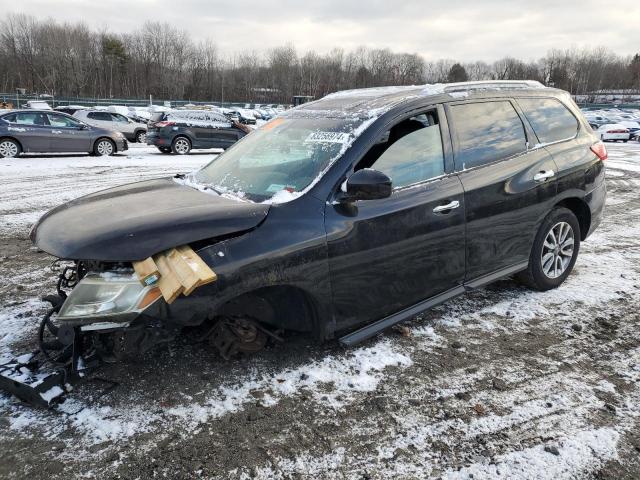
x,y
141,136
537,274
104,147
165,149
181,145
625,141
9,148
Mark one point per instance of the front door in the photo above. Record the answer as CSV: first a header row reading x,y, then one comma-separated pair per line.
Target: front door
x,y
509,184
68,135
389,254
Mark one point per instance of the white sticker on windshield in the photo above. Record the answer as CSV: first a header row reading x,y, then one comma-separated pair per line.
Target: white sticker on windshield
x,y
274,187
327,137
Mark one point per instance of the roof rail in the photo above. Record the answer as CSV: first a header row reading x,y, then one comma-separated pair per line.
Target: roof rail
x,y
493,85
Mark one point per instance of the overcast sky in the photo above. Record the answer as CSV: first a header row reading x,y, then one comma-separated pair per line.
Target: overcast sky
x,y
458,29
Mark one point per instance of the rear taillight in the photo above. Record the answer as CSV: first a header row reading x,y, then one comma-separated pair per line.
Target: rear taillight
x,y
600,150
620,130
164,124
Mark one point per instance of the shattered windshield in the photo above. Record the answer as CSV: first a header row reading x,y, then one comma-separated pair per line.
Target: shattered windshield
x,y
281,158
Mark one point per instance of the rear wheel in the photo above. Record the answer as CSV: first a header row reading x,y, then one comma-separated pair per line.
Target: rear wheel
x,y
141,137
9,148
104,147
181,146
554,252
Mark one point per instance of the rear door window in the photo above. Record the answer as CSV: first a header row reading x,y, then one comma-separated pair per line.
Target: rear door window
x,y
101,116
550,119
485,132
30,119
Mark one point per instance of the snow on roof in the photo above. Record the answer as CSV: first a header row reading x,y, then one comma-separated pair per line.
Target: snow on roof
x,y
370,102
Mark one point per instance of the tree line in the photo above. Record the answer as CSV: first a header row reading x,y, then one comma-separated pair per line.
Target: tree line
x,y
71,60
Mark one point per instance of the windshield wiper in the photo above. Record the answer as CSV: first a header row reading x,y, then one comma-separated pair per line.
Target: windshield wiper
x,y
211,187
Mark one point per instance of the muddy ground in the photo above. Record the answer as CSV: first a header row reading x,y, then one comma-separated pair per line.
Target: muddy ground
x,y
500,383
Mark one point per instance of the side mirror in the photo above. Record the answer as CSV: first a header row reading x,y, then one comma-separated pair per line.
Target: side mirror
x,y
366,184
83,126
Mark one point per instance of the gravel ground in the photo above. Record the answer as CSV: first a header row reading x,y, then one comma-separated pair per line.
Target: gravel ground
x,y
500,383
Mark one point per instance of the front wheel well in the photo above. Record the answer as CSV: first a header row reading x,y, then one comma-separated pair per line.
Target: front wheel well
x,y
283,307
582,212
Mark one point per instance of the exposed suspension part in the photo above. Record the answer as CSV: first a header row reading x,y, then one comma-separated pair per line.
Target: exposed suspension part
x,y
231,335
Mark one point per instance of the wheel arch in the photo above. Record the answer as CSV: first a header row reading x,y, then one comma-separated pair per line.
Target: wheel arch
x,y
281,306
9,137
581,210
104,137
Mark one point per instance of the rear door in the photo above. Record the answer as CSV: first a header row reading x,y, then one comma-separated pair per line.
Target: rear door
x,y
509,183
68,135
557,129
31,130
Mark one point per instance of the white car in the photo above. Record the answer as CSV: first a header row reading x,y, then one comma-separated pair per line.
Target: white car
x,y
38,105
613,132
115,122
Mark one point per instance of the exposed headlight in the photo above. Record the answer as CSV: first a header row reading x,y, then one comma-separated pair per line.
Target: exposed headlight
x,y
108,294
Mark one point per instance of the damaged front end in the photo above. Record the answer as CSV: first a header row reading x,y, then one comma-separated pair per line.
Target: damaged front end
x,y
101,313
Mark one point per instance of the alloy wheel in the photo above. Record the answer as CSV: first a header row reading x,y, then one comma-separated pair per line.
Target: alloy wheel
x,y
142,137
8,149
181,146
557,250
105,147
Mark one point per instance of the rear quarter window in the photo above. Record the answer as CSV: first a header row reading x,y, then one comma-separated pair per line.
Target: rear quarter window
x,y
550,119
486,132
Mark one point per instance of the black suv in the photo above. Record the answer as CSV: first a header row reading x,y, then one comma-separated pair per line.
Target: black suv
x,y
181,130
345,215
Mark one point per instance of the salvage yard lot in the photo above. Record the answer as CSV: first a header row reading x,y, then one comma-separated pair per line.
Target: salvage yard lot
x,y
501,383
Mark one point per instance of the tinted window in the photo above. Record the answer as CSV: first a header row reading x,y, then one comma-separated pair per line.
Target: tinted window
x,y
102,116
414,158
116,117
550,119
10,118
30,119
486,132
57,120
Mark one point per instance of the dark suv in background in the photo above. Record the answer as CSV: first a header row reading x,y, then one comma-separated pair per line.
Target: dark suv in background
x,y
45,131
347,215
181,130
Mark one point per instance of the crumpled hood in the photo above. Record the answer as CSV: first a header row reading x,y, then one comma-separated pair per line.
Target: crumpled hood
x,y
135,221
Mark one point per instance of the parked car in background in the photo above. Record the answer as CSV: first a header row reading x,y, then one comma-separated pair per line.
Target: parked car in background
x,y
244,116
613,132
132,130
37,105
633,127
69,109
179,131
45,131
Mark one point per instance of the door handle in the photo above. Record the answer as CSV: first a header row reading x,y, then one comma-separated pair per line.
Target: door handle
x,y
448,206
544,175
